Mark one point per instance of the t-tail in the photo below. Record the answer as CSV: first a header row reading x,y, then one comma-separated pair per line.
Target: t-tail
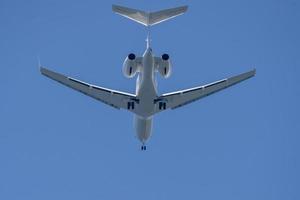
x,y
149,18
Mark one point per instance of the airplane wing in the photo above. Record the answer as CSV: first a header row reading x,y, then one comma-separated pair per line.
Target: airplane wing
x,y
180,98
110,97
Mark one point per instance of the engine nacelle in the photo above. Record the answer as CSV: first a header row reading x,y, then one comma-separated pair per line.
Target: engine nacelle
x,y
130,67
164,66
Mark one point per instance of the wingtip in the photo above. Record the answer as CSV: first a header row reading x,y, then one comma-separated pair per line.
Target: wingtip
x,y
185,7
254,71
42,69
113,7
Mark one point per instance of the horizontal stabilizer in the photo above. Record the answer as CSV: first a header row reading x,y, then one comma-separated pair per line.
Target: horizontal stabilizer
x,y
149,18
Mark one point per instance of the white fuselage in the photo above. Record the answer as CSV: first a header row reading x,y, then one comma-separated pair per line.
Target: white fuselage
x,y
146,92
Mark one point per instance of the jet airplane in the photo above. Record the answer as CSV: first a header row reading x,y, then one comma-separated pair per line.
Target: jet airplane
x,y
146,102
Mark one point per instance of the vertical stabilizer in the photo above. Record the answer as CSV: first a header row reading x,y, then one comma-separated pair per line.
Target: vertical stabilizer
x,y
149,18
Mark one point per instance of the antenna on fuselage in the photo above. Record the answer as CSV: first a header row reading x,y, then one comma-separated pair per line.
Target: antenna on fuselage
x,y
149,19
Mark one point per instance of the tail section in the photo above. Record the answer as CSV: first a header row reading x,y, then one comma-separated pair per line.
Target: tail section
x,y
149,18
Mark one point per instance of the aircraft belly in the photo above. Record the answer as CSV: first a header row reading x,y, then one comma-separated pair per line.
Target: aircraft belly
x,y
143,128
146,95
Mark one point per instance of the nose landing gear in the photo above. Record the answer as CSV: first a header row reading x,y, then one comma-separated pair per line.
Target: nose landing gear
x,y
143,147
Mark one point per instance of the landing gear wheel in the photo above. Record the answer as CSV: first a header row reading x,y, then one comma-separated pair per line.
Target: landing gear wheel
x,y
143,147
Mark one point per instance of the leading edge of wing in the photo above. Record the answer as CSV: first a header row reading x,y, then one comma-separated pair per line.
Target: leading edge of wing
x,y
86,88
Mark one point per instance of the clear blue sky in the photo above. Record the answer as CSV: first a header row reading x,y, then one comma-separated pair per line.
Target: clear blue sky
x,y
241,143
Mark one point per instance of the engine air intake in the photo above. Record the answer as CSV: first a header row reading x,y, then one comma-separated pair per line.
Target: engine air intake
x,y
131,56
165,56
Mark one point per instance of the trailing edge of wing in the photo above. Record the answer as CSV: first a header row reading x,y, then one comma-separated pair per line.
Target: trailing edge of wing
x,y
110,97
149,18
180,98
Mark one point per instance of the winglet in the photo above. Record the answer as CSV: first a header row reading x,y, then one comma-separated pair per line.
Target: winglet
x,y
39,62
149,18
254,71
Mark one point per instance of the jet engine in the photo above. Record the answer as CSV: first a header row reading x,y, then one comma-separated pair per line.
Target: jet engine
x,y
164,66
130,67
